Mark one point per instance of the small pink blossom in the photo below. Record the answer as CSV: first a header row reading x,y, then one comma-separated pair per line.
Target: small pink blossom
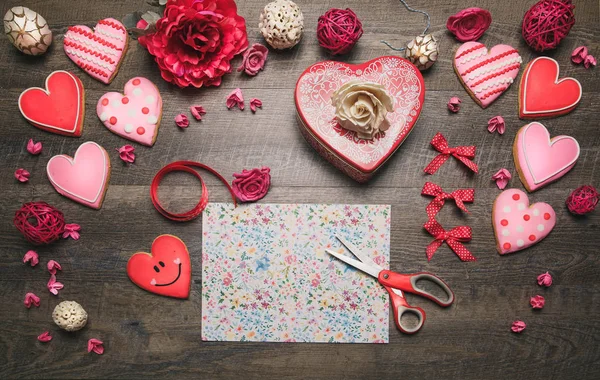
x,y
254,59
44,337
32,258
31,299
198,112
227,281
254,104
496,124
578,55
589,61
182,121
537,302
53,285
22,175
315,282
544,279
518,326
235,99
34,148
126,153
53,266
501,178
454,104
290,259
95,345
71,231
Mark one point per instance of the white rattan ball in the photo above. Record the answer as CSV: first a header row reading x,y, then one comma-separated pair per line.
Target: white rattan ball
x,y
70,316
281,24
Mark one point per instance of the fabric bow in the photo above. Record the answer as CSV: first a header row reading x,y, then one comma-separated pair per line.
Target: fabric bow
x,y
454,238
463,153
459,196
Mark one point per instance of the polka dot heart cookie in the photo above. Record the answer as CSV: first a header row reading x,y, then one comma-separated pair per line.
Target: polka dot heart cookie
x,y
517,225
136,114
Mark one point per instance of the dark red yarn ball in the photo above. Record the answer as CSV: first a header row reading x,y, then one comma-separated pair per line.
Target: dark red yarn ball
x,y
338,30
583,200
39,222
547,22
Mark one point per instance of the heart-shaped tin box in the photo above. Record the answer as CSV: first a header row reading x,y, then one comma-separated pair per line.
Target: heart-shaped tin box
x,y
358,158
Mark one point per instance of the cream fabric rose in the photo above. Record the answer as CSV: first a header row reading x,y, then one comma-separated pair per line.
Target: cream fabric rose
x,y
362,107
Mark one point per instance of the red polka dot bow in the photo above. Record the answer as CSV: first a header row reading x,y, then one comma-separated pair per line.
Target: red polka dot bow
x,y
463,153
459,196
454,238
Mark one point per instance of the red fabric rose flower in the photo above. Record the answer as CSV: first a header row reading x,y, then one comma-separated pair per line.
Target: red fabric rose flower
x,y
251,185
195,41
469,24
254,59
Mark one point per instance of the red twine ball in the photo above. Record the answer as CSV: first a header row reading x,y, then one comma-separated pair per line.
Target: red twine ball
x,y
583,200
39,222
547,22
338,30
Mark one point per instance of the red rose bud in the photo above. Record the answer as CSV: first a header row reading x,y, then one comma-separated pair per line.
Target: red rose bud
x,y
251,185
537,302
454,104
469,24
518,326
544,279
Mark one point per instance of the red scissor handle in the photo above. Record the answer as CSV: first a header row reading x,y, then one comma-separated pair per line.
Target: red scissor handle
x,y
408,283
401,307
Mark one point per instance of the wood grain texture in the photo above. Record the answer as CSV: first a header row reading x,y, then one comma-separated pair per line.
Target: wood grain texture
x,y
147,336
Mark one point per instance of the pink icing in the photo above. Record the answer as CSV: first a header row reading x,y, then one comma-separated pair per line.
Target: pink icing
x,y
135,115
98,52
487,74
518,225
83,178
541,159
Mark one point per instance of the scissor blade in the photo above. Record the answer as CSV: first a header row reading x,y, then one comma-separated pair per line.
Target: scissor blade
x,y
355,263
357,252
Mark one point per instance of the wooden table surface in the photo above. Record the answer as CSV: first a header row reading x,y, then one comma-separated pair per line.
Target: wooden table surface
x,y
151,336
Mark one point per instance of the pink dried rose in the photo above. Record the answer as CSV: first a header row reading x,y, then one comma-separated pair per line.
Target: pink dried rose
x,y
31,299
454,104
197,112
71,231
34,148
537,302
589,61
54,286
32,258
254,59
518,326
22,175
235,99
544,279
126,153
579,54
254,104
469,24
501,178
496,124
53,266
44,337
182,121
95,345
251,185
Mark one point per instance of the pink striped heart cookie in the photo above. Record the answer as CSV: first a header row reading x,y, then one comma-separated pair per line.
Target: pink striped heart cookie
x,y
98,52
486,74
136,114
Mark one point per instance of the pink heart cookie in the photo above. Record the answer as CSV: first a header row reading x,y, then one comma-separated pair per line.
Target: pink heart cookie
x,y
98,52
486,74
135,115
83,178
517,225
541,160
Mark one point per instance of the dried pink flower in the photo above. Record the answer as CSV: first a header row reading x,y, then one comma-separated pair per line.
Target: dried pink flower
x,y
53,285
454,104
32,258
254,59
537,302
254,104
496,124
126,153
31,299
235,99
579,54
251,185
518,326
22,175
198,112
44,337
589,61
71,231
53,266
501,178
34,148
182,121
544,279
95,345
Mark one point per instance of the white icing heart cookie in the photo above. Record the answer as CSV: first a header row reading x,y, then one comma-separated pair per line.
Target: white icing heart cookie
x,y
135,115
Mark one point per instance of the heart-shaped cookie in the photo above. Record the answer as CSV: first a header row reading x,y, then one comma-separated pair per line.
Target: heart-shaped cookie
x,y
517,225
166,271
356,157
486,74
539,159
83,178
59,108
98,52
542,94
135,115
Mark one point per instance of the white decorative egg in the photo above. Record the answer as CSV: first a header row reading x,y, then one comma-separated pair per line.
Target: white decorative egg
x,y
27,30
281,24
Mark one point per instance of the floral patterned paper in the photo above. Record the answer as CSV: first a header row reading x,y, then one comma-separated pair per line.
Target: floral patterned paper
x,y
267,278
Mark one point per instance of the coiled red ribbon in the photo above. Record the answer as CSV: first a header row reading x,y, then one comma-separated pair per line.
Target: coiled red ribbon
x,y
185,166
463,153
459,196
454,238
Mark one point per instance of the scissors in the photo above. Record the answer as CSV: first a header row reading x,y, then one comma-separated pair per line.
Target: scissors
x,y
395,284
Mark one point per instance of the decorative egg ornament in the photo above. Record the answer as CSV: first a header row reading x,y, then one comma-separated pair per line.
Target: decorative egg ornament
x,y
281,24
27,30
422,51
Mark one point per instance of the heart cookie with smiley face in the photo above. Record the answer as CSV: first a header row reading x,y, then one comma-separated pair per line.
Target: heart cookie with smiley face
x,y
165,271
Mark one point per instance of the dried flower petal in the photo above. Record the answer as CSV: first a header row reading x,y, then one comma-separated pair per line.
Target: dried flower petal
x,y
32,258
537,302
53,266
182,121
126,153
44,337
501,178
518,326
34,148
53,285
95,345
589,61
71,230
496,124
255,103
22,175
454,104
235,99
579,54
544,279
198,112
31,299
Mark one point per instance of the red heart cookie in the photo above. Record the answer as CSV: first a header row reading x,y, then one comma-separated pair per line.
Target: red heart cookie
x,y
354,156
542,94
166,271
59,108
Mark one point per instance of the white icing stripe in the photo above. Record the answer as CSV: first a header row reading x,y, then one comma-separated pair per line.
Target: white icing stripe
x,y
467,60
90,58
93,44
106,33
488,69
506,80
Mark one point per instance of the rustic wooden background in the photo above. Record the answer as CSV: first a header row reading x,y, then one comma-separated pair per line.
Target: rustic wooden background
x,y
151,336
